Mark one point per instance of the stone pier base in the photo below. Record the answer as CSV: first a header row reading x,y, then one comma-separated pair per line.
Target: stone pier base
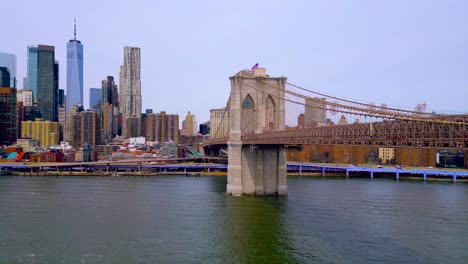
x,y
256,170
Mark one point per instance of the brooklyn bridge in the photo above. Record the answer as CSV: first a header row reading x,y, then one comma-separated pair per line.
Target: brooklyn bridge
x,y
259,132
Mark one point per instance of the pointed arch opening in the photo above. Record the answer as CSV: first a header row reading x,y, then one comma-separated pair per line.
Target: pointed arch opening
x,y
248,115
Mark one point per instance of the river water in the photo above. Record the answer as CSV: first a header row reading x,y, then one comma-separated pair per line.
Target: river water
x,y
174,219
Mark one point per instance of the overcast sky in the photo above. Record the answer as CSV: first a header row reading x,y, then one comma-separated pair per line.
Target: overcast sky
x,y
397,52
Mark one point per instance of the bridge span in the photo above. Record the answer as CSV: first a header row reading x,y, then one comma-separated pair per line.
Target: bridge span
x,y
258,138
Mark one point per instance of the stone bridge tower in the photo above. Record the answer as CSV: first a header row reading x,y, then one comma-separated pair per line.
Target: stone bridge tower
x,y
255,108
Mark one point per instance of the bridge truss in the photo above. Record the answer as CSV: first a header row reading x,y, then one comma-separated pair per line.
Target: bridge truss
x,y
383,125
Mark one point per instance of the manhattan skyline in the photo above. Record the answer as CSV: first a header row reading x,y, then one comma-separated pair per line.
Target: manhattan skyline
x,y
395,52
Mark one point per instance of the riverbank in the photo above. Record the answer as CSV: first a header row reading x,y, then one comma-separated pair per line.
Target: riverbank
x,y
224,174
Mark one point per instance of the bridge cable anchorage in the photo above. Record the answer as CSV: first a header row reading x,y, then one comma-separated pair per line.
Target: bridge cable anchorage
x,y
337,107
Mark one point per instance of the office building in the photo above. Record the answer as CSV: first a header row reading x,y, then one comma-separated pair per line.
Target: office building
x,y
43,130
32,70
8,115
9,61
315,112
61,97
90,128
25,96
162,127
109,109
74,72
107,123
71,127
133,126
47,83
85,127
61,113
95,99
189,125
4,77
130,87
219,120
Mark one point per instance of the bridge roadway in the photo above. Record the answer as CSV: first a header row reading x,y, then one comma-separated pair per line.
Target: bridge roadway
x,y
292,167
384,133
126,163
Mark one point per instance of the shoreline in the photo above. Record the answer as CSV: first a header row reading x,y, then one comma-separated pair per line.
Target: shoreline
x,y
223,174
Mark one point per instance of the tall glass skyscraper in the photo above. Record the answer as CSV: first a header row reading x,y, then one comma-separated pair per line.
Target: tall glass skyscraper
x,y
95,98
74,73
47,83
9,60
32,70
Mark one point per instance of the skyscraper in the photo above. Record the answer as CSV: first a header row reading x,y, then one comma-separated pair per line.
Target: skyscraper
x,y
130,87
4,77
315,113
109,108
8,126
95,99
219,121
162,127
74,72
189,125
9,60
32,70
47,83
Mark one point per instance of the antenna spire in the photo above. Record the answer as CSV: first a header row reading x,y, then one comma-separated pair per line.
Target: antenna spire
x,y
74,33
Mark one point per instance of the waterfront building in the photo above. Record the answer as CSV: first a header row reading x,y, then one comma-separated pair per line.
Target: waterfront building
x,y
219,120
28,144
8,118
47,132
315,112
386,155
130,87
32,70
47,83
9,61
162,127
189,125
25,96
74,72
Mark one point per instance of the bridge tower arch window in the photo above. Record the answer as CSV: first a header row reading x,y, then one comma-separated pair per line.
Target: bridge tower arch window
x,y
271,114
248,115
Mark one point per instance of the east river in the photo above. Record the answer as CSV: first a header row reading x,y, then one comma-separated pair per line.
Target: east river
x,y
174,219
